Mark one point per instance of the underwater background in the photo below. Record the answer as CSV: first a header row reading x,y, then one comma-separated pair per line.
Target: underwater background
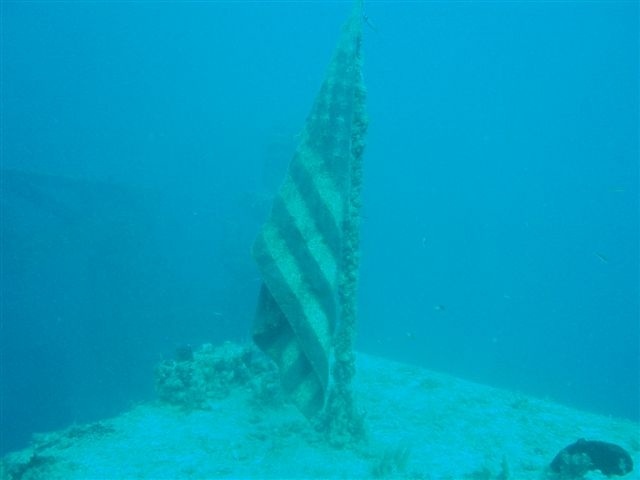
x,y
142,141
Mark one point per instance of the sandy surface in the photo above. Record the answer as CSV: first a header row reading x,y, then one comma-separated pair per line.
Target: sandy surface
x,y
421,425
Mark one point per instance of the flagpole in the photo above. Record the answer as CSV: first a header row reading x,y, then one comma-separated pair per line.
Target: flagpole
x,y
343,421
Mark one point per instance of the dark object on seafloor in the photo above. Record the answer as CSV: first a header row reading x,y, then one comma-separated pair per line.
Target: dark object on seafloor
x,y
584,455
184,353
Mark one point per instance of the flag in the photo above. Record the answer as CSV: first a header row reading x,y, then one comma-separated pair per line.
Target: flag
x,y
303,250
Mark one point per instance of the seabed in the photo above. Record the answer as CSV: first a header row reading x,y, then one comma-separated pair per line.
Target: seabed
x,y
222,414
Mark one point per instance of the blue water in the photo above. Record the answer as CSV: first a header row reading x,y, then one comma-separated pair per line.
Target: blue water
x,y
141,141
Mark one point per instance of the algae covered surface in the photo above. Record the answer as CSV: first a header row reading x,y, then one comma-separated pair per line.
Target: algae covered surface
x,y
220,414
